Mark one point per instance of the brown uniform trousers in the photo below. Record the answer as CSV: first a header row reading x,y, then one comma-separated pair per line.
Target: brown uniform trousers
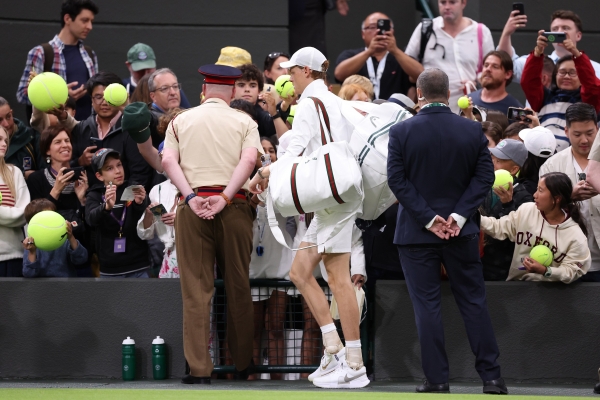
x,y
228,239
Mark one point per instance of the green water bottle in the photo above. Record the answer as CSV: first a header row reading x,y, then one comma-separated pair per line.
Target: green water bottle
x,y
159,359
128,359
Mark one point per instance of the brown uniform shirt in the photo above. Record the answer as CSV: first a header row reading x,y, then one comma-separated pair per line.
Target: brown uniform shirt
x,y
210,139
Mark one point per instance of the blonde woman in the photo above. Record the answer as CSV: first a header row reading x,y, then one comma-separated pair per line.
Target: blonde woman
x,y
15,197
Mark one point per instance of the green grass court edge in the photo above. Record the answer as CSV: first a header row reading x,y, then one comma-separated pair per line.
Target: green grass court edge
x,y
134,394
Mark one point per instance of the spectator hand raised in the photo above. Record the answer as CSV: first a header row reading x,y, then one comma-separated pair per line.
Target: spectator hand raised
x,y
29,244
86,158
541,44
571,46
516,20
533,266
76,93
139,195
505,196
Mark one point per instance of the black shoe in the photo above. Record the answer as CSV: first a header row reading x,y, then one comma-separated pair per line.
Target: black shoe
x,y
597,388
190,380
427,387
497,386
245,373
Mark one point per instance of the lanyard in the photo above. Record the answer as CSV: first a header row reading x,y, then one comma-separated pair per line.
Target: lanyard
x,y
434,105
376,79
121,222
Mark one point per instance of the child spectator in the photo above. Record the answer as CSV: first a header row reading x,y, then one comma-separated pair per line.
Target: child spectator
x,y
14,196
493,132
509,155
497,117
541,144
553,221
353,91
512,131
121,252
164,193
59,263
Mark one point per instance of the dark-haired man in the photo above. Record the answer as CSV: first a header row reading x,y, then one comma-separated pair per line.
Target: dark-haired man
x,y
561,21
72,60
581,129
496,76
439,224
103,130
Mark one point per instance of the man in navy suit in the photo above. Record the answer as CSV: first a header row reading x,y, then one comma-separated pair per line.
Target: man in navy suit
x,y
440,170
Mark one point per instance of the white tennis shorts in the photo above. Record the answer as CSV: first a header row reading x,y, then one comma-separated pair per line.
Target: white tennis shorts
x,y
326,222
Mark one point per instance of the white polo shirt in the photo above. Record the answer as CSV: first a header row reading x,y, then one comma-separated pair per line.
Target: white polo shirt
x,y
458,57
305,135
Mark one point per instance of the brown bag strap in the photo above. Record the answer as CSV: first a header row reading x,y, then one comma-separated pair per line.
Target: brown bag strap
x,y
320,107
48,57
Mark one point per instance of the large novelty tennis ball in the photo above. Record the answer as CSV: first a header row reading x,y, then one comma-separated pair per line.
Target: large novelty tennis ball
x,y
284,87
115,94
542,254
503,177
48,229
47,91
290,117
463,102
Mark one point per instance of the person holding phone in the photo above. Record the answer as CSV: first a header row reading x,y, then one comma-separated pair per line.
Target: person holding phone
x,y
573,81
380,60
64,186
565,21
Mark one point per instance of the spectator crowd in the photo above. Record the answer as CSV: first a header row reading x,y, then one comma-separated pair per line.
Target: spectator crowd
x,y
85,159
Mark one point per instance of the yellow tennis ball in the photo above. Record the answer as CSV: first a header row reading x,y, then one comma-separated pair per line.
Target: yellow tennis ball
x,y
47,91
542,254
463,102
503,177
290,117
115,94
284,87
48,230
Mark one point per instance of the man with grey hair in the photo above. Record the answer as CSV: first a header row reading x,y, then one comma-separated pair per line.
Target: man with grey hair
x,y
440,183
164,91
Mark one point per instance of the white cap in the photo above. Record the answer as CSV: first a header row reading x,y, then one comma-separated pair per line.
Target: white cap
x,y
306,57
128,341
539,141
158,340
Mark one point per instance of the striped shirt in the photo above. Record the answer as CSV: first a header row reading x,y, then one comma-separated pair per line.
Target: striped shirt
x,y
8,199
35,59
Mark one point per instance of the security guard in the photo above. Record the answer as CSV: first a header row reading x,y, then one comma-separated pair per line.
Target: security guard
x,y
210,152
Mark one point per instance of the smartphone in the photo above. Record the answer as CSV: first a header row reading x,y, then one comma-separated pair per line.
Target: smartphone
x,y
265,159
383,26
519,7
581,176
96,142
519,114
555,37
78,171
158,210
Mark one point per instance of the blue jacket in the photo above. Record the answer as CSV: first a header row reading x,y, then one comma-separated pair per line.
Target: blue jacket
x,y
59,263
438,164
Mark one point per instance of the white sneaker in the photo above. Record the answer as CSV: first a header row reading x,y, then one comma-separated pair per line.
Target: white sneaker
x,y
343,377
328,363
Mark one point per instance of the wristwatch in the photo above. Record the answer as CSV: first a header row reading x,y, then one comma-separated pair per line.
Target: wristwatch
x,y
189,197
548,272
276,115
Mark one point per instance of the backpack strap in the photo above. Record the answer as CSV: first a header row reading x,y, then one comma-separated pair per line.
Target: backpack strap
x,y
426,31
480,45
48,56
90,52
323,118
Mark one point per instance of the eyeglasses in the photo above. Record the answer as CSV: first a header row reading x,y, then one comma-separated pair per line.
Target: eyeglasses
x,y
370,28
562,73
98,99
164,89
277,54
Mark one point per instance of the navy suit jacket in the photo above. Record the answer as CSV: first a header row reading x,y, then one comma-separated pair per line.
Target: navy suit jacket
x,y
438,164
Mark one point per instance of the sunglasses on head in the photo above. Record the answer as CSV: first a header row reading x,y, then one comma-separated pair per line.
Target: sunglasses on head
x,y
277,54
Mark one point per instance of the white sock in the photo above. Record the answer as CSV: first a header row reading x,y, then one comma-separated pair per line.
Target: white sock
x,y
354,354
328,328
353,344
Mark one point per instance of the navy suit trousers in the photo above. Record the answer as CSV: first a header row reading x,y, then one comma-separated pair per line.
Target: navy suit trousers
x,y
421,265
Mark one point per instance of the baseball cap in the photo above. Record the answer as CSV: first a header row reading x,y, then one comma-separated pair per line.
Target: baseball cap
x,y
539,141
100,156
233,57
402,100
510,149
136,121
306,57
141,56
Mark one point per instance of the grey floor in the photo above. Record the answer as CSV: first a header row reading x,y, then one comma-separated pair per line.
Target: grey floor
x,y
379,386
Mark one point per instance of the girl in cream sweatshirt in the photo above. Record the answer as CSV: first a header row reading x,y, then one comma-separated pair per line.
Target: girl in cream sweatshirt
x,y
553,220
14,196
